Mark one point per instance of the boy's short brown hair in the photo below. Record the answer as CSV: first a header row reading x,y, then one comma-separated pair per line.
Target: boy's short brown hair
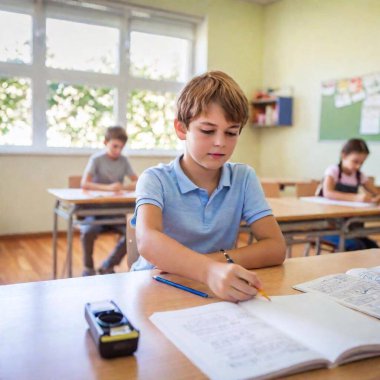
x,y
116,132
212,87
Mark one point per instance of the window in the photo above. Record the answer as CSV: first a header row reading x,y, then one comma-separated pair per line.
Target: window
x,y
69,71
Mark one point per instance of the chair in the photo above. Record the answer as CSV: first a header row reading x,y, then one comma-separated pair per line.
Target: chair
x,y
271,189
307,189
132,252
74,181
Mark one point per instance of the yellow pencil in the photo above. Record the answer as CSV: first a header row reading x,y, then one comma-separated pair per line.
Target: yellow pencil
x,y
231,261
262,292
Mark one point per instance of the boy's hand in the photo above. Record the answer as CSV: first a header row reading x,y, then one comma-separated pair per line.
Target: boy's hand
x,y
232,282
376,199
117,186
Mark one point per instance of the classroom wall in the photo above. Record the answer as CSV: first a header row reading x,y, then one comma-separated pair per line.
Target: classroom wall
x,y
234,44
307,42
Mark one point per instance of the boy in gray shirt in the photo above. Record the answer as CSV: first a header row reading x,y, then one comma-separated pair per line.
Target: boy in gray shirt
x,y
106,171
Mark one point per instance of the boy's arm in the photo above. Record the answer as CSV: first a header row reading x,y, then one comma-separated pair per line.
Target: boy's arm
x,y
330,192
88,184
268,250
228,281
132,185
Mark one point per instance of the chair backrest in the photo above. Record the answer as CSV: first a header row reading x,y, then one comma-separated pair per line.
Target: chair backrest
x,y
371,179
132,252
306,189
74,181
271,189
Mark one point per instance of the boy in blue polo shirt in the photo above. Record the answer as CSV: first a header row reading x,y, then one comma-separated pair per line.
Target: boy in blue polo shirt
x,y
188,212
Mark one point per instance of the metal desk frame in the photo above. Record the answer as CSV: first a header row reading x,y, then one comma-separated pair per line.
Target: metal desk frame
x,y
73,211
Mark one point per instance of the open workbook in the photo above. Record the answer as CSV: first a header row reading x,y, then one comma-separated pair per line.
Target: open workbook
x,y
358,288
258,339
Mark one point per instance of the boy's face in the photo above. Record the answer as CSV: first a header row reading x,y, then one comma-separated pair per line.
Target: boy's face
x,y
210,138
114,148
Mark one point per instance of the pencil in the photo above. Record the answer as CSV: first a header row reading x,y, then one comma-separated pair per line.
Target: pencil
x,y
262,292
180,286
259,290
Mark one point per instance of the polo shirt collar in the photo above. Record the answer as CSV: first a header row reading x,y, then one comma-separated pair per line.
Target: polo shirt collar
x,y
186,185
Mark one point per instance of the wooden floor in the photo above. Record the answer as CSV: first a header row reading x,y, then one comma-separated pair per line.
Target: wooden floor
x,y
25,259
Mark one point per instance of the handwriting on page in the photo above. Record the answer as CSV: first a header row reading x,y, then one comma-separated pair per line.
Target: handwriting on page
x,y
243,343
370,275
358,293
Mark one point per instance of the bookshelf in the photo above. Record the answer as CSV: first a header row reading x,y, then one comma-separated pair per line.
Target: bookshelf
x,y
273,111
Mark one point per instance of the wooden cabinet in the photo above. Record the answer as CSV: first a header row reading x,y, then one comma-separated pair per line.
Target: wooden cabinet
x,y
272,112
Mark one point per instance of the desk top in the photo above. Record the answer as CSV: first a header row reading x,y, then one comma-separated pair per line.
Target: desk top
x,y
287,209
79,196
46,334
284,181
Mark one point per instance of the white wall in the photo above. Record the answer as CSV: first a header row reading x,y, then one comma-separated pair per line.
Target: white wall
x,y
307,42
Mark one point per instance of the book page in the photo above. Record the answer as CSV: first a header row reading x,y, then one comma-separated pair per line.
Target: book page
x,y
321,324
366,273
225,342
359,294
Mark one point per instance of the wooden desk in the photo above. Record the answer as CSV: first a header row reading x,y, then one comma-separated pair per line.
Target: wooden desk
x,y
283,182
72,204
45,335
296,217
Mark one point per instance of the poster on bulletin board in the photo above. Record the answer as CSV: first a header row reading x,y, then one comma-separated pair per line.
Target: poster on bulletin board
x,y
351,108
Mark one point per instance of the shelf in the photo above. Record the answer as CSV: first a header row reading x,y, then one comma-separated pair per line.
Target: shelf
x,y
272,112
264,126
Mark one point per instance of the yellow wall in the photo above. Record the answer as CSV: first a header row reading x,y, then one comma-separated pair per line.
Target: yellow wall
x,y
307,42
234,44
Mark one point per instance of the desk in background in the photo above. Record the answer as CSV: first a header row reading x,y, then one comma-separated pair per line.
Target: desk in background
x,y
74,204
283,182
46,335
297,217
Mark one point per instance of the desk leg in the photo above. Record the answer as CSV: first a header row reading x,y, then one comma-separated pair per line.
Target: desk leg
x,y
70,245
55,231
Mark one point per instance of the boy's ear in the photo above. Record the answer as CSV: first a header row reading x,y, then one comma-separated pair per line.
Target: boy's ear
x,y
180,129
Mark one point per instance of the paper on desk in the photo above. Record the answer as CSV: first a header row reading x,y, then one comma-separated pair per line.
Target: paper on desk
x,y
327,201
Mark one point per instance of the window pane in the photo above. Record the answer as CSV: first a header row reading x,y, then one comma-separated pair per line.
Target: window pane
x,y
15,112
159,57
150,118
15,37
80,46
77,115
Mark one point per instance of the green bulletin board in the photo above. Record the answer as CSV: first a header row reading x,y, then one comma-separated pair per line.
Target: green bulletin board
x,y
345,103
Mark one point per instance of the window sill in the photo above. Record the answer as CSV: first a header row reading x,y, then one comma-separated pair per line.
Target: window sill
x,y
10,151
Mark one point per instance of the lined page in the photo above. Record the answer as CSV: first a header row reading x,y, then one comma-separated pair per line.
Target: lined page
x,y
225,342
319,322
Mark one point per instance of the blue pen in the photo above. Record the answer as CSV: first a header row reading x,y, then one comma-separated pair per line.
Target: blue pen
x,y
179,286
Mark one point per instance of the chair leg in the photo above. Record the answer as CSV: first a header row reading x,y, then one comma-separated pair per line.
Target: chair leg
x,y
318,246
289,251
306,251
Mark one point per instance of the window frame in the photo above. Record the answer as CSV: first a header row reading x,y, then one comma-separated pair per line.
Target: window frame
x,y
122,82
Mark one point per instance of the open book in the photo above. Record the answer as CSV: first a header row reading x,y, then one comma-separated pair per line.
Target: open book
x,y
358,288
258,339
